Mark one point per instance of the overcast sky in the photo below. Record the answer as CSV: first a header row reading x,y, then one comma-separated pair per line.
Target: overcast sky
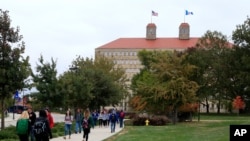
x,y
63,29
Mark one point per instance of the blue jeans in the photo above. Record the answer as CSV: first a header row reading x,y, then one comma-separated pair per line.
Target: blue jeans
x,y
78,127
113,126
67,130
121,122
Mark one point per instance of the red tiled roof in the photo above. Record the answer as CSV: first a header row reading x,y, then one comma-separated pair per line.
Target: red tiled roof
x,y
143,43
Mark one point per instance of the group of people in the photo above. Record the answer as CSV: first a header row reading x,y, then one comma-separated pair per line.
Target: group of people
x,y
37,128
86,120
104,118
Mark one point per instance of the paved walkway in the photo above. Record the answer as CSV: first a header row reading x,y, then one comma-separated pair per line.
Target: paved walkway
x,y
96,134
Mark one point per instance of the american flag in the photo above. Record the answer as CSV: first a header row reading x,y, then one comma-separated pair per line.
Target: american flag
x,y
154,13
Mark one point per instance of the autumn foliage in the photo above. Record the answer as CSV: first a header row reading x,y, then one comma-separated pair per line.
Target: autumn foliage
x,y
189,107
238,103
137,103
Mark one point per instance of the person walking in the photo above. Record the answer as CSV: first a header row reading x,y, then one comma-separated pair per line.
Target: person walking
x,y
23,126
78,119
87,123
68,123
50,118
95,117
113,120
42,130
32,118
105,118
121,118
100,119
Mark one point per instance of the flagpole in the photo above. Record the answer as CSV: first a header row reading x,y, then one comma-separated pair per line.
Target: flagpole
x,y
151,18
184,15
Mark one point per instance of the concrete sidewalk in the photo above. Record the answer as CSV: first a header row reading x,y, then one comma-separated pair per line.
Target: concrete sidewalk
x,y
96,134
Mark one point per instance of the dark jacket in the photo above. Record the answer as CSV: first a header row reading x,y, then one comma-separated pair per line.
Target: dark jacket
x,y
78,117
111,119
32,117
48,129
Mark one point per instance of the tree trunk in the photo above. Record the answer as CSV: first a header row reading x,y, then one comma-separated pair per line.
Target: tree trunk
x,y
199,111
175,115
218,107
2,113
207,106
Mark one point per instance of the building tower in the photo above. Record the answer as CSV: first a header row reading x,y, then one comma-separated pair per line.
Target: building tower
x,y
151,31
184,31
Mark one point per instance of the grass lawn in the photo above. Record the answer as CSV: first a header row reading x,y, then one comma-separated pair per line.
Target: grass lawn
x,y
209,128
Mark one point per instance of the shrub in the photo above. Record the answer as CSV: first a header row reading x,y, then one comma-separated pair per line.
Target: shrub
x,y
130,115
139,120
8,133
156,120
159,120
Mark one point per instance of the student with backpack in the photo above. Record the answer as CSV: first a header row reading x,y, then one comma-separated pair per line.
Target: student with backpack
x,y
113,120
87,123
121,118
42,129
23,126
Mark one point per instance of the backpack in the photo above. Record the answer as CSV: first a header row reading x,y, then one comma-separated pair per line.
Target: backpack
x,y
113,117
85,123
122,114
40,128
22,126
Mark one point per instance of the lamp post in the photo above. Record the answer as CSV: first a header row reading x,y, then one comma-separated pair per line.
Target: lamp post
x,y
72,69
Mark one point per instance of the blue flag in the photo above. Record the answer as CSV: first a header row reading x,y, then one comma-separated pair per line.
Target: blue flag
x,y
16,95
188,12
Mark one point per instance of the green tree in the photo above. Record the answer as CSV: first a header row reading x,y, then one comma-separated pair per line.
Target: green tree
x,y
200,58
110,87
164,83
76,84
241,78
241,38
210,56
92,83
45,81
14,67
